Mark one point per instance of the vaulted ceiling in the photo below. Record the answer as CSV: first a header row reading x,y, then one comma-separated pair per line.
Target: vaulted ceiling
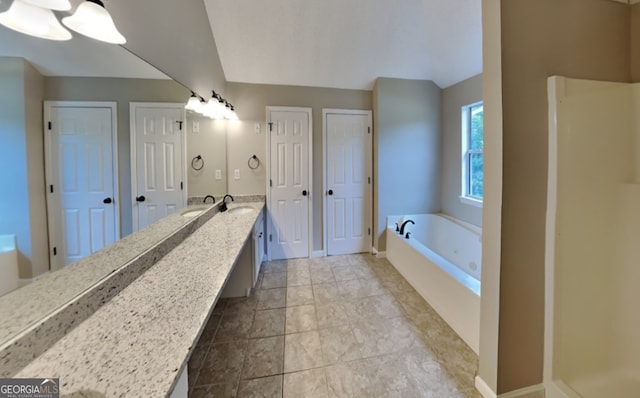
x,y
347,43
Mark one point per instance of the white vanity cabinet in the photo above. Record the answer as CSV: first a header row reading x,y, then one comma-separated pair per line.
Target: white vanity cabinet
x,y
258,246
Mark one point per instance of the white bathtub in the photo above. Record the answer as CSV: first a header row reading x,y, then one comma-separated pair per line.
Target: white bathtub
x,y
442,261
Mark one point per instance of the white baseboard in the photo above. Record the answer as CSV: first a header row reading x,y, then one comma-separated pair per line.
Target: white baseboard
x,y
24,282
317,253
484,389
378,254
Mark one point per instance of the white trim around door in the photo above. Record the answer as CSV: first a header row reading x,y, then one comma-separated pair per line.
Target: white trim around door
x,y
309,189
368,170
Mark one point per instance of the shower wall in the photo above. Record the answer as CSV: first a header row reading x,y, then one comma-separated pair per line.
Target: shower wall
x,y
594,213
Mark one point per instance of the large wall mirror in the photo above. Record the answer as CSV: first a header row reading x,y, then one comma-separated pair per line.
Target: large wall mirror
x,y
33,71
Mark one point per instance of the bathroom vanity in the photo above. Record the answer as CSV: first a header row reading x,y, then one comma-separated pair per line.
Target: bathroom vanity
x,y
139,342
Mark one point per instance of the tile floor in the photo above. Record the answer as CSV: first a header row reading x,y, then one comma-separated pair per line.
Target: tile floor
x,y
345,326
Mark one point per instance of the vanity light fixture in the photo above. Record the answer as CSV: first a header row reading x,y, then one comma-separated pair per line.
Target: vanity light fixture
x,y
93,20
233,115
56,5
193,103
33,21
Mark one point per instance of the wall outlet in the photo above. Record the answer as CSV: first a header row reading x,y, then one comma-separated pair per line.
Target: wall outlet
x,y
236,174
256,128
196,127
218,174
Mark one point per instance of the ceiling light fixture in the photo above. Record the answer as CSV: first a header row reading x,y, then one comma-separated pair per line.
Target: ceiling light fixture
x,y
34,21
93,20
56,5
193,103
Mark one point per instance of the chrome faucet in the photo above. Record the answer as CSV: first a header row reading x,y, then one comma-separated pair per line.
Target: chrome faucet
x,y
404,224
207,197
223,205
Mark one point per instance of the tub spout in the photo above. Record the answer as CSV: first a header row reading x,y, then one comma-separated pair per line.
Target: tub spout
x,y
404,225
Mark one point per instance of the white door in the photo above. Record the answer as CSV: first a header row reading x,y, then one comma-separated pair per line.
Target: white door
x,y
81,179
157,164
348,194
290,182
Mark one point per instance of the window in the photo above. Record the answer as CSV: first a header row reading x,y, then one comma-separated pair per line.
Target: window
x,y
473,157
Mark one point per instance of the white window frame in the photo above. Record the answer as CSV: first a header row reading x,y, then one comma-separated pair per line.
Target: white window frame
x,y
465,197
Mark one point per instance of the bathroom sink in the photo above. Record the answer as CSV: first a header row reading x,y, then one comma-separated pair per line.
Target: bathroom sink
x,y
192,213
241,210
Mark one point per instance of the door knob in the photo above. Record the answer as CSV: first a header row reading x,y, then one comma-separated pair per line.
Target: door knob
x,y
330,192
304,192
140,198
107,201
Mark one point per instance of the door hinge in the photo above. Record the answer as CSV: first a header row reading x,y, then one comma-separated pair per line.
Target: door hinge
x,y
271,183
51,188
270,238
369,130
369,179
55,251
270,126
49,126
369,230
181,185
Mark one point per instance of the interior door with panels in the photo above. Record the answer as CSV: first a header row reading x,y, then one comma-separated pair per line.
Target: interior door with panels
x,y
80,151
290,182
348,193
158,153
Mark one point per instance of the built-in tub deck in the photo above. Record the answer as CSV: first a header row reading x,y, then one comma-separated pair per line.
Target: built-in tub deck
x,y
139,343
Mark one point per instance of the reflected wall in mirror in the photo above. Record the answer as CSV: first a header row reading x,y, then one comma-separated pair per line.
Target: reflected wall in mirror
x,y
206,156
33,71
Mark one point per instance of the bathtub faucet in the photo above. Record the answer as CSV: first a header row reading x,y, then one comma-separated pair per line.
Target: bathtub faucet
x,y
403,225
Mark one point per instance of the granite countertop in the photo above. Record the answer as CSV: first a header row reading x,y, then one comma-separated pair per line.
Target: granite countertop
x,y
139,342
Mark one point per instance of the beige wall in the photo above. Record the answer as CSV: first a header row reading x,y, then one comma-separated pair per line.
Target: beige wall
x,y
210,142
123,91
407,157
251,101
244,141
453,99
587,39
22,201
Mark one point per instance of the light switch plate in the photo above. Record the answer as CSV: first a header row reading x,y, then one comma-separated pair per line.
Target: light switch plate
x,y
256,128
236,174
218,174
196,127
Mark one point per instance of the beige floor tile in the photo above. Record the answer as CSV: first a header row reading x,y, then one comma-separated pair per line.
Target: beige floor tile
x,y
331,314
321,274
326,292
359,288
271,298
223,363
299,295
302,351
339,345
198,356
298,264
210,329
274,266
349,380
384,336
373,308
264,357
332,261
307,384
274,280
221,390
266,387
344,273
301,319
268,323
234,326
298,277
241,304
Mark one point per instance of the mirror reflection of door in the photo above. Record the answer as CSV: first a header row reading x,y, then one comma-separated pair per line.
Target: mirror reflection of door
x,y
157,161
80,150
